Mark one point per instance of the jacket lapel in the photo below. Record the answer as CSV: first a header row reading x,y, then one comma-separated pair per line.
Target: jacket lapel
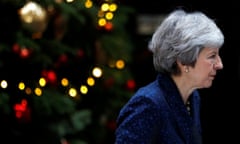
x,y
180,114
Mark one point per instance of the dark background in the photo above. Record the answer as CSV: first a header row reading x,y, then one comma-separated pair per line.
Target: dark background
x,y
220,105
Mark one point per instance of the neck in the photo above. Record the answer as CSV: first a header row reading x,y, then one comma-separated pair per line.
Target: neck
x,y
183,86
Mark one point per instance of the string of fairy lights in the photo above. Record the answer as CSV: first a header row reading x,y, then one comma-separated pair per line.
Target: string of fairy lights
x,y
27,14
97,72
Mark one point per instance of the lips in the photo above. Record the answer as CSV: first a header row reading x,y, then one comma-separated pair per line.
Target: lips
x,y
212,76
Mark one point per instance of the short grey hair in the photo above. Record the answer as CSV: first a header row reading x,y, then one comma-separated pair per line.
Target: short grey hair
x,y
181,36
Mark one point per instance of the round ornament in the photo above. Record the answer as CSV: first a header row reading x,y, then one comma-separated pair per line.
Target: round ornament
x,y
33,17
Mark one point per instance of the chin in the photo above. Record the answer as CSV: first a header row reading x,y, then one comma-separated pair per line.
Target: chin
x,y
208,85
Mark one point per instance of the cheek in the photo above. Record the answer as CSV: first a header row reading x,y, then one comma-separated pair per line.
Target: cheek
x,y
202,70
204,66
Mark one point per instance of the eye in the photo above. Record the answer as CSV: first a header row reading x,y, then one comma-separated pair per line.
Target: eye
x,y
213,56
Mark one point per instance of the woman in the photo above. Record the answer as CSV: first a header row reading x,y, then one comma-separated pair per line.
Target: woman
x,y
185,51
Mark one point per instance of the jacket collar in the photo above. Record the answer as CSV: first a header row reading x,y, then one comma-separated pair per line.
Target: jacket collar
x,y
184,121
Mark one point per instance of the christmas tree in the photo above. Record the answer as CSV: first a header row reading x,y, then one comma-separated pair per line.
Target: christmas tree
x,y
64,70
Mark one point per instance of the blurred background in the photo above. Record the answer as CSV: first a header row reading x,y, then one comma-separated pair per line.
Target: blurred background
x,y
67,68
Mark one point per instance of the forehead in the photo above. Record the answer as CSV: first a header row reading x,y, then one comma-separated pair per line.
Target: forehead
x,y
210,50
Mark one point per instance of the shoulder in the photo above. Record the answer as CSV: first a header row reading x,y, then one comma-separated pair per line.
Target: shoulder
x,y
153,91
149,98
146,110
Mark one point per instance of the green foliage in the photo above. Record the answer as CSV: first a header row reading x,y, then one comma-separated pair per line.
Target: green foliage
x,y
53,103
55,115
4,103
78,122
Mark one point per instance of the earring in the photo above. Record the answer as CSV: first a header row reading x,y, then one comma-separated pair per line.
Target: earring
x,y
186,70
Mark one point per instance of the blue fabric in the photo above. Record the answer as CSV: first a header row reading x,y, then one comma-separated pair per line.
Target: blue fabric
x,y
156,114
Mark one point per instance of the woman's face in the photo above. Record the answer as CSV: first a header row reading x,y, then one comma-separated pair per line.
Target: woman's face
x,y
205,70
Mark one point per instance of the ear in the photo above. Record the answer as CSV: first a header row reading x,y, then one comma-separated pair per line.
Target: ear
x,y
182,67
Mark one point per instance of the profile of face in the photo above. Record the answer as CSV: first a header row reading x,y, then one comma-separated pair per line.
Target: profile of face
x,y
206,67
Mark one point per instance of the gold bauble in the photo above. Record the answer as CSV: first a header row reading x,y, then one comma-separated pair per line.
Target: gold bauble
x,y
33,17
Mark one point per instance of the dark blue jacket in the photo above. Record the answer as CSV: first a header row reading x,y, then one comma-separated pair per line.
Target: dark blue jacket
x,y
156,114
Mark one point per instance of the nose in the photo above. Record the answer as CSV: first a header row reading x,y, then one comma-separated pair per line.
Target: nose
x,y
218,65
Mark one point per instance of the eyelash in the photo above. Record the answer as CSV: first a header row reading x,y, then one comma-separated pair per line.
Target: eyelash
x,y
213,56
